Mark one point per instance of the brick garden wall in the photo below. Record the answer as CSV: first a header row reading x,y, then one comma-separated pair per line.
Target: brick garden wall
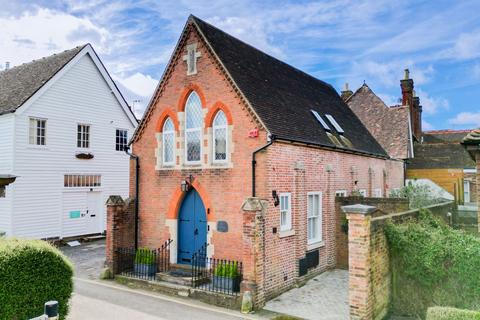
x,y
386,205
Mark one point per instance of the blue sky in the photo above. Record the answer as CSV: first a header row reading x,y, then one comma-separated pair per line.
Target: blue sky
x,y
336,41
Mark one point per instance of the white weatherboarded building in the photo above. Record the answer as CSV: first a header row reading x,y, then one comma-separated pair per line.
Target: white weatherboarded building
x,y
63,130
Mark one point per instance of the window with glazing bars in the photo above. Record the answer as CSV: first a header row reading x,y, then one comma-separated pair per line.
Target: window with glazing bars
x,y
37,132
83,136
121,140
168,142
79,181
193,128
220,134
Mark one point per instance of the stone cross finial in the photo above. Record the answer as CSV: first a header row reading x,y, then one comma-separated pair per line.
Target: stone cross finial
x,y
191,58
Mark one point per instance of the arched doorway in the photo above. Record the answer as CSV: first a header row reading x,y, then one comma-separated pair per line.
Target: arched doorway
x,y
192,227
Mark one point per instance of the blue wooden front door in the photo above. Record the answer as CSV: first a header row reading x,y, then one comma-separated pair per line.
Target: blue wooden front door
x,y
192,227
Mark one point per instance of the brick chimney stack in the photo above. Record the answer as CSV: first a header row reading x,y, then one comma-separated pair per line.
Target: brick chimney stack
x,y
409,99
346,92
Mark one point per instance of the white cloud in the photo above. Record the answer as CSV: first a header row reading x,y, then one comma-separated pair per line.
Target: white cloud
x,y
140,84
471,119
467,46
39,34
389,100
426,126
431,105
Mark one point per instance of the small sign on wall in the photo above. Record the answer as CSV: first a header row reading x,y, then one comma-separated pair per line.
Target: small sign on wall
x,y
74,214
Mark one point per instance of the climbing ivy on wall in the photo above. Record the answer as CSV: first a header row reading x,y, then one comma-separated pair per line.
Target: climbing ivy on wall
x,y
432,265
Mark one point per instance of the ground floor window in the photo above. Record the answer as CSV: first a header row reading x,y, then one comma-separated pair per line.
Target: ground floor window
x,y
341,193
314,217
377,193
363,192
82,181
285,212
466,191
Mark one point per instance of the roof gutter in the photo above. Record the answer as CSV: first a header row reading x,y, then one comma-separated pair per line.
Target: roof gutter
x,y
333,148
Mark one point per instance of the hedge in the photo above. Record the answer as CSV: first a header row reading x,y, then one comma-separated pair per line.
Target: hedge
x,y
32,272
445,313
432,265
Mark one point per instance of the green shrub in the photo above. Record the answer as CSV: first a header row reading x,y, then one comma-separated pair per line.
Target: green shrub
x,y
227,270
32,272
444,313
432,265
144,256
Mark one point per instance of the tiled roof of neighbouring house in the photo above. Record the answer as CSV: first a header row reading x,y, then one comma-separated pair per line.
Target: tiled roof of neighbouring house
x,y
389,125
283,96
441,150
19,83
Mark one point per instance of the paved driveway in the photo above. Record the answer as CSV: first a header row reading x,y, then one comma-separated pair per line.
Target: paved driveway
x,y
88,258
325,297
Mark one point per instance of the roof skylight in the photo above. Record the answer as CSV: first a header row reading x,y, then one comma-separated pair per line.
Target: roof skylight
x,y
322,122
334,123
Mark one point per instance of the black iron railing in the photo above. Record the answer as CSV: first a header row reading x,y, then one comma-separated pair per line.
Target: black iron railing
x,y
144,263
216,275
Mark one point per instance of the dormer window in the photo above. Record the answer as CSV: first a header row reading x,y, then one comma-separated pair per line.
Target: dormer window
x,y
220,137
193,129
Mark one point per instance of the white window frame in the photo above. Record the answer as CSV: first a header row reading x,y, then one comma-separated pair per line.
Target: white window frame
x,y
288,212
214,130
465,192
164,133
34,134
319,236
341,193
199,129
118,144
363,192
377,193
82,141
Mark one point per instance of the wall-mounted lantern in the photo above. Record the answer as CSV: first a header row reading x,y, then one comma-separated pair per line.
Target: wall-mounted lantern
x,y
276,200
186,184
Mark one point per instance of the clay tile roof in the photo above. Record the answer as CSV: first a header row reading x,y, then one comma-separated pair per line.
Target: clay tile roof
x,y
389,125
19,83
283,96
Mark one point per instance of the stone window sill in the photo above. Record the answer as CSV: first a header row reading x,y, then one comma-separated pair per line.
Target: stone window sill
x,y
286,233
315,245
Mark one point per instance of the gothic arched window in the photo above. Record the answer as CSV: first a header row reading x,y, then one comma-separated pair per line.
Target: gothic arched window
x,y
193,128
220,137
168,142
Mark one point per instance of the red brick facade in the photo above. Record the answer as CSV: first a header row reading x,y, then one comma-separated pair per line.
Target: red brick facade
x,y
283,167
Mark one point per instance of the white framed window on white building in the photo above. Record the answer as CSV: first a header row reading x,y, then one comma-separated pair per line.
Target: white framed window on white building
x,y
121,139
193,129
168,143
83,136
37,133
363,192
285,211
220,137
82,181
377,193
341,193
314,217
466,191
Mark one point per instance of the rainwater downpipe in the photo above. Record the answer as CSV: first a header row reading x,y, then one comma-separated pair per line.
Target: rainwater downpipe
x,y
254,162
137,184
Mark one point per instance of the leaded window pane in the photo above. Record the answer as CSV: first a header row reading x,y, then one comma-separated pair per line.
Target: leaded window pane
x,y
168,142
220,143
193,145
193,110
220,119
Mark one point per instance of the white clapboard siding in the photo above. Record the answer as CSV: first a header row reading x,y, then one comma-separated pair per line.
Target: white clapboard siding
x,y
81,95
6,167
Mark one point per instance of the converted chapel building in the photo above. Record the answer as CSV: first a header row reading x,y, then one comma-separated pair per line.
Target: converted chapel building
x,y
228,122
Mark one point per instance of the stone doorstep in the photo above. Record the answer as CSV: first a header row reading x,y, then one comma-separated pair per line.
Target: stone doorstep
x,y
173,289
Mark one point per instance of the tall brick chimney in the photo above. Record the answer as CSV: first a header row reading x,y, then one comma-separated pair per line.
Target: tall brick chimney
x,y
346,92
409,99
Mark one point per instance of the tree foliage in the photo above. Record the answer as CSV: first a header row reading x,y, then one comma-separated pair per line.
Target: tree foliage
x,y
419,196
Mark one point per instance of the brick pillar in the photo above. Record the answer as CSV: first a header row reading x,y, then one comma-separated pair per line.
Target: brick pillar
x,y
120,229
359,259
253,251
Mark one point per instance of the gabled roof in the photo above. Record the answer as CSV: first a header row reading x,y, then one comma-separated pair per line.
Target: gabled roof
x,y
282,96
21,83
389,125
442,150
